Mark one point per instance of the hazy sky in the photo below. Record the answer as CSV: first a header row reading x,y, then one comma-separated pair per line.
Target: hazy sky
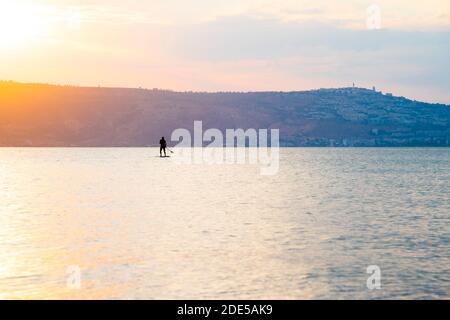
x,y
242,45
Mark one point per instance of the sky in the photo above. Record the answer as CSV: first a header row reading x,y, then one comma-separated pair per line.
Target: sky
x,y
397,46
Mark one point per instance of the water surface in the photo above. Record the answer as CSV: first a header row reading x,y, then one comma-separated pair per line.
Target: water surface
x,y
142,227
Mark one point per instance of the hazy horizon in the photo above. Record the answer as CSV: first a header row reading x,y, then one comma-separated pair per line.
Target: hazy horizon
x,y
211,91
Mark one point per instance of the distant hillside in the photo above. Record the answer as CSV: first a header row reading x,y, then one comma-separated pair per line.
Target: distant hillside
x,y
44,115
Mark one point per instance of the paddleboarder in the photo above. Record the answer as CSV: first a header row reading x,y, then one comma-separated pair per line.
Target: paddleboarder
x,y
163,145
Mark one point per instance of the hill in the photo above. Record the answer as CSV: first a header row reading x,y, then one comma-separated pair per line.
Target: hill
x,y
48,115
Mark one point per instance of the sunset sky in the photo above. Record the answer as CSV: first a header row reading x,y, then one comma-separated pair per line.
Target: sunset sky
x,y
229,45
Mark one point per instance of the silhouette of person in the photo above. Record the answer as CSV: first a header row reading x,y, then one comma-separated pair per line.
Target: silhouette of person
x,y
163,145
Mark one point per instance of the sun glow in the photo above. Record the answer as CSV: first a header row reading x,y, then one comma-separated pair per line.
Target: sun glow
x,y
20,24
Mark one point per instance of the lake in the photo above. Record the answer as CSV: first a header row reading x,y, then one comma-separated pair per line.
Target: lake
x,y
122,223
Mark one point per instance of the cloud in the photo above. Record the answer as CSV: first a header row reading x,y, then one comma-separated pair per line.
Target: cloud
x,y
245,37
392,58
404,14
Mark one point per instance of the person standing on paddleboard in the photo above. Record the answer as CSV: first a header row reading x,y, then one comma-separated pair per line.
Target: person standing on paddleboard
x,y
163,145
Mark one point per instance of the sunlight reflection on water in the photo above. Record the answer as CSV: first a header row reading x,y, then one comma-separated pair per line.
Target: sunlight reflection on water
x,y
143,227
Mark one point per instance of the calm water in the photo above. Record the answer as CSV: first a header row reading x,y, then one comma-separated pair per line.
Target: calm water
x,y
139,226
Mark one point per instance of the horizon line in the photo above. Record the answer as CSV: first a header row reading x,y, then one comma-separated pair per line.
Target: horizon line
x,y
212,92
